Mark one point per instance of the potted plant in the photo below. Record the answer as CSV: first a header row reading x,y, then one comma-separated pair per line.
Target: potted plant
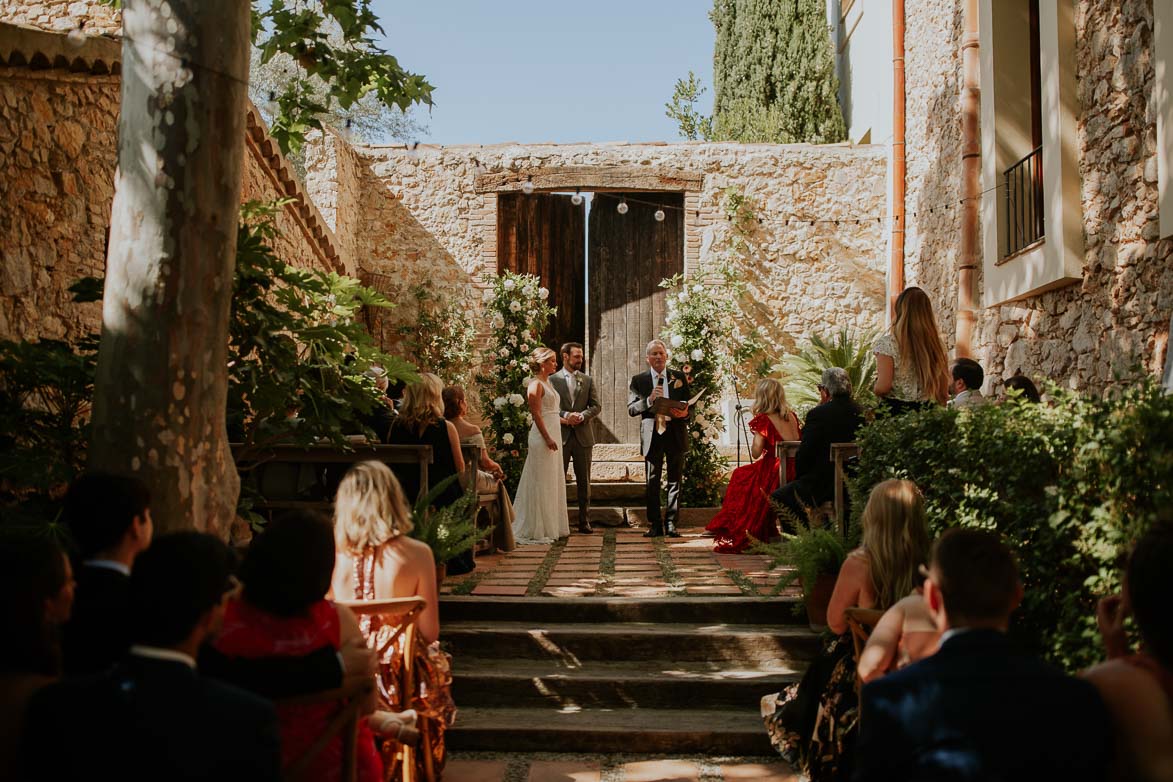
x,y
816,554
449,531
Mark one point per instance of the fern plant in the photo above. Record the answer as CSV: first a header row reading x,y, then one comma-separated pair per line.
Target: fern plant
x,y
449,531
802,371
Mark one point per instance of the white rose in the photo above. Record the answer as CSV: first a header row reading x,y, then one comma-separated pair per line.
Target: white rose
x,y
497,321
543,294
503,352
525,348
700,420
515,306
697,354
512,363
517,400
508,284
507,438
499,402
682,296
677,340
697,288
696,434
529,291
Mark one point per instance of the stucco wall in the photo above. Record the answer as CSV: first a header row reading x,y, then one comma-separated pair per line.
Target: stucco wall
x,y
420,217
1113,325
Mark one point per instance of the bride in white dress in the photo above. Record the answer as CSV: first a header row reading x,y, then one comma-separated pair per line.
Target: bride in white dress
x,y
540,503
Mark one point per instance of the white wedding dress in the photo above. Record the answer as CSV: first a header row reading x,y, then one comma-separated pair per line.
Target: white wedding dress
x,y
540,503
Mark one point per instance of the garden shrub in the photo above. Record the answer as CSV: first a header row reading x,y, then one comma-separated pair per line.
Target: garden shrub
x,y
1069,485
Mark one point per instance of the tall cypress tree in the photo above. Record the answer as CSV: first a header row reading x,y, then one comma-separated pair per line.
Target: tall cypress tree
x,y
773,73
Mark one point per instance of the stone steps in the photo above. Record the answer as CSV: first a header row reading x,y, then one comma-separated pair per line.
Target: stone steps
x,y
605,731
607,675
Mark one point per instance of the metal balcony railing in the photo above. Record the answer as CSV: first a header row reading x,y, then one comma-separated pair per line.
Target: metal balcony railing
x,y
1024,202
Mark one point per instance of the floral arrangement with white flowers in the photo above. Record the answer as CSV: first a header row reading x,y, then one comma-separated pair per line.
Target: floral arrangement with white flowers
x,y
518,310
705,344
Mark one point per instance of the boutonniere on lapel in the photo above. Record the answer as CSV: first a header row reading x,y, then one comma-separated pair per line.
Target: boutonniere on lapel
x,y
678,383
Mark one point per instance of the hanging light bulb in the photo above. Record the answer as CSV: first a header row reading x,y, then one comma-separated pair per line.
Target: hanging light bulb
x,y
77,36
576,199
659,215
622,208
527,186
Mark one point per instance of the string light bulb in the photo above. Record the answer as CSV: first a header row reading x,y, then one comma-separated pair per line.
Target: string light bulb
x,y
576,199
659,215
77,36
622,208
527,186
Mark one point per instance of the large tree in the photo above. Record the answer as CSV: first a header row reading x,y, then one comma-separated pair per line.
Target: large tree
x,y
159,402
773,76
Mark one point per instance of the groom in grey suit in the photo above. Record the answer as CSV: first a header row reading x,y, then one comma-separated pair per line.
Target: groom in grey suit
x,y
578,404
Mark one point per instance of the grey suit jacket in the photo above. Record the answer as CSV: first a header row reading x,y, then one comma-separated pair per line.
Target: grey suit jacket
x,y
583,398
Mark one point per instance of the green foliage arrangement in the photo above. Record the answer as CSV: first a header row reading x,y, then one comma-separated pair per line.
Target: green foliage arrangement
x,y
518,310
45,391
802,371
773,76
705,349
1069,485
297,346
449,531
440,337
811,551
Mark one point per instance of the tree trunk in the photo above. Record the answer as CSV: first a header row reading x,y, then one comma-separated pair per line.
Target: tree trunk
x,y
159,401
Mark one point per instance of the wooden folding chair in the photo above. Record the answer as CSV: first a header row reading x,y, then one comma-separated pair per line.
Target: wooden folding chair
x,y
350,699
401,612
861,622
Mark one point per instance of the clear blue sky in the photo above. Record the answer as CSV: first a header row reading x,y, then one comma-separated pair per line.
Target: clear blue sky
x,y
550,70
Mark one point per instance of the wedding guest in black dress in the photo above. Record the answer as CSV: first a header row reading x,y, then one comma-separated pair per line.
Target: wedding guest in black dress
x,y
421,422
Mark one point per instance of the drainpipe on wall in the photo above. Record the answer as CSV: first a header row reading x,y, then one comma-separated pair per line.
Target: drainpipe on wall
x,y
971,182
899,161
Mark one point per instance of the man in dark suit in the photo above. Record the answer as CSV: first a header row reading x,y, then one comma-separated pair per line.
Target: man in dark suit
x,y
109,517
578,405
979,709
662,438
835,420
153,716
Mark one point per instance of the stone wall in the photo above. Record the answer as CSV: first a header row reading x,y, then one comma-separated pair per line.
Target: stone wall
x,y
100,17
1114,324
58,144
422,216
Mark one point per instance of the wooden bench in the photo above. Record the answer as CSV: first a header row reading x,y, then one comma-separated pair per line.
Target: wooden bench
x,y
317,469
486,512
840,453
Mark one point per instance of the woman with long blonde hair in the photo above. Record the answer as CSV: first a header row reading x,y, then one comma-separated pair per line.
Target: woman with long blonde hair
x,y
813,725
912,368
745,513
540,505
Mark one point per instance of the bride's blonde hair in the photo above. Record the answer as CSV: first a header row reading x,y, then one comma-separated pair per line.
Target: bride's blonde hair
x,y
537,358
370,508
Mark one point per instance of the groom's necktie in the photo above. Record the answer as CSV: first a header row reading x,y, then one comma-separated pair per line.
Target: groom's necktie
x,y
662,420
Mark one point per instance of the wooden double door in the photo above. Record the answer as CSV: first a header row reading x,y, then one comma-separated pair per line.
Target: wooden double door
x,y
614,303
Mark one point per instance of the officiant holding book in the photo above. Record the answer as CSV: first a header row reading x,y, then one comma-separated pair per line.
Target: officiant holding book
x,y
661,398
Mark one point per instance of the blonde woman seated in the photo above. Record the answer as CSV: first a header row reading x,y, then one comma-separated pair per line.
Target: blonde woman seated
x,y
490,476
905,633
377,560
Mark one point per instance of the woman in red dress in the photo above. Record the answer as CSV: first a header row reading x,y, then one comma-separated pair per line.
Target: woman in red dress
x,y
746,510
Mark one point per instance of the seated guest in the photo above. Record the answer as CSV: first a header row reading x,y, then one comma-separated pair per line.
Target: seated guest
x,y
905,633
835,420
966,385
813,724
382,412
912,369
1138,687
979,708
283,611
745,512
490,476
421,422
375,560
36,592
109,517
1020,386
153,716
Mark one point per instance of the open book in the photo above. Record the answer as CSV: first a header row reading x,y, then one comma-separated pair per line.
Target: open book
x,y
665,406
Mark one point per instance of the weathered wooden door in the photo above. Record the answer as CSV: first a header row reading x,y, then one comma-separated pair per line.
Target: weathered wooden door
x,y
628,256
542,234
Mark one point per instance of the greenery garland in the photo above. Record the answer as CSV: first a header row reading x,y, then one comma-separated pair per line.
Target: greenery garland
x,y
518,311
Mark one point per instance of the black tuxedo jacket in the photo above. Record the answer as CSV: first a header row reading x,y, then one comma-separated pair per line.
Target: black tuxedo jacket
x,y
148,719
834,421
640,388
97,634
980,709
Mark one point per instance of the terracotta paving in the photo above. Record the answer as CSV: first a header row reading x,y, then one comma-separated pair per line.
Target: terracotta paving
x,y
620,562
572,768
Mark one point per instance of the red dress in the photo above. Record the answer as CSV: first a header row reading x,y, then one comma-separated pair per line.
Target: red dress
x,y
745,510
249,632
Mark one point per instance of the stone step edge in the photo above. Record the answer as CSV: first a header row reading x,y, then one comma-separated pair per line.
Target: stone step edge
x,y
695,630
